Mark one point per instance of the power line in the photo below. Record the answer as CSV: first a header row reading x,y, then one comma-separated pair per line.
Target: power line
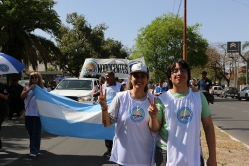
x,y
179,7
174,6
240,3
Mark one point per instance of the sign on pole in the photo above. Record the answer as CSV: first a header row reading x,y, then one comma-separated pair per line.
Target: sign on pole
x,y
233,47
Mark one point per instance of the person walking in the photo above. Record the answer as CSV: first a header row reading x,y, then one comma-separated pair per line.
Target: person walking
x,y
15,101
112,87
32,119
178,121
133,143
205,84
3,106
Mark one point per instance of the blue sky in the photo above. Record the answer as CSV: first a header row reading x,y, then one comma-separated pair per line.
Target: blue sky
x,y
222,20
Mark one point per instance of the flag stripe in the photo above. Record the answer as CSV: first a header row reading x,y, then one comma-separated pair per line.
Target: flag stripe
x,y
62,116
67,113
78,129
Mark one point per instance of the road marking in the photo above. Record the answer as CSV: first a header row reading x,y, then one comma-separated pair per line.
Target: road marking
x,y
245,111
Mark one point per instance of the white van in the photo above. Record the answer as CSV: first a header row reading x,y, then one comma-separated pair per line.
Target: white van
x,y
217,90
78,89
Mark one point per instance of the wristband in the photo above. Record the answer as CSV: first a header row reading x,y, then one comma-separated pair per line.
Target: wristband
x,y
104,108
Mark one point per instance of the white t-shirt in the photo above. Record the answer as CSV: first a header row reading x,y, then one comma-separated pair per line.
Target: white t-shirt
x,y
133,143
30,104
183,118
111,90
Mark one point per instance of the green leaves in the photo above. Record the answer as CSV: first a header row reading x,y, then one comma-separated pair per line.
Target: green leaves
x,y
82,41
161,42
18,20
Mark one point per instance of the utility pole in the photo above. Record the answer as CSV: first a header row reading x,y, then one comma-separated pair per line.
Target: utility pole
x,y
185,32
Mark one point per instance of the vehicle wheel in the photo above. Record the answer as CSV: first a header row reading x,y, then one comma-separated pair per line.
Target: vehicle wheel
x,y
247,98
232,97
225,96
239,98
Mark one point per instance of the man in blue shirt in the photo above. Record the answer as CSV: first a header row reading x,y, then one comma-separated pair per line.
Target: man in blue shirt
x,y
160,88
205,83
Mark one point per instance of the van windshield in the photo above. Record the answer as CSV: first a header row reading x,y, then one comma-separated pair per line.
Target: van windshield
x,y
75,85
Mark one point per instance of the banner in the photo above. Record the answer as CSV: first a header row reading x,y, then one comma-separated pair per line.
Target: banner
x,y
62,116
121,67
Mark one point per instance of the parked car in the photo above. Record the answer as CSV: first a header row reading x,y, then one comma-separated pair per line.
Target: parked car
x,y
78,89
244,93
229,92
217,90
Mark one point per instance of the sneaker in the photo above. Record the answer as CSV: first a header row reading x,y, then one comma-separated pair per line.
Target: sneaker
x,y
107,154
32,155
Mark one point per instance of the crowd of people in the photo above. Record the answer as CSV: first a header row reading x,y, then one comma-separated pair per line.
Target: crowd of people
x,y
154,125
160,125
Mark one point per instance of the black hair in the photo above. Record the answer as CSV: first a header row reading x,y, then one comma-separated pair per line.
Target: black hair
x,y
110,72
171,67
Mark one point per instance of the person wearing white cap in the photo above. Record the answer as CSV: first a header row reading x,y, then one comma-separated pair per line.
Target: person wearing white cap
x,y
133,143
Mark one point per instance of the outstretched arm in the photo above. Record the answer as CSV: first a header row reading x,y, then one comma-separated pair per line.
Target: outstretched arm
x,y
210,138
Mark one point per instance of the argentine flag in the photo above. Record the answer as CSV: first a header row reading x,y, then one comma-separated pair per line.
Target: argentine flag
x,y
62,116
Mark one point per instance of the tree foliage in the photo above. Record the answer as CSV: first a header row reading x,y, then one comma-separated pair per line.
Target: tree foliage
x,y
18,20
161,42
80,41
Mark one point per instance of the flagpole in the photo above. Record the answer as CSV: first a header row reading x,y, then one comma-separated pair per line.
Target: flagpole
x,y
185,32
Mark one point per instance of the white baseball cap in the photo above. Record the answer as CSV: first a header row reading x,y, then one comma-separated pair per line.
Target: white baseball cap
x,y
139,67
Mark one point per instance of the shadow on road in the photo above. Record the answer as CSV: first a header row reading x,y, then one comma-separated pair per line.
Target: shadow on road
x,y
46,158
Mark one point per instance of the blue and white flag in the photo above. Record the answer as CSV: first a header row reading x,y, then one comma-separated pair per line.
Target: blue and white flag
x,y
62,116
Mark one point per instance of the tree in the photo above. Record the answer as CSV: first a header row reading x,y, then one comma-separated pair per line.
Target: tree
x,y
245,46
242,79
114,49
161,42
81,41
18,20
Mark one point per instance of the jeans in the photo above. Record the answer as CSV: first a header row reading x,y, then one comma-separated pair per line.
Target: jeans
x,y
14,107
160,157
33,127
1,121
108,144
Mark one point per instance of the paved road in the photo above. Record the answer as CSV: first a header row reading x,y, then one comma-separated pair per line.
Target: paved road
x,y
55,150
232,116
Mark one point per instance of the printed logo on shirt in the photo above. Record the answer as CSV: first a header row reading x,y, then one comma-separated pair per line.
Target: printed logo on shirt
x,y
111,92
184,115
137,114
